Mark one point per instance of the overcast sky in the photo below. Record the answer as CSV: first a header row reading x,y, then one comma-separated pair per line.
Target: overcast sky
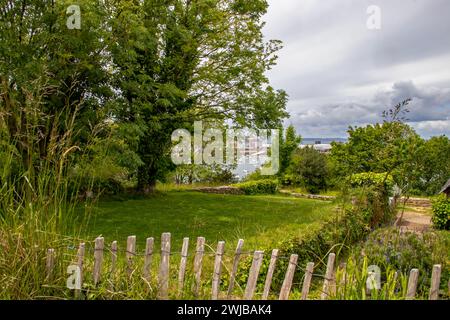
x,y
338,73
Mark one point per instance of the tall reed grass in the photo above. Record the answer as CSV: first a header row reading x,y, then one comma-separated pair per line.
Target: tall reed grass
x,y
38,194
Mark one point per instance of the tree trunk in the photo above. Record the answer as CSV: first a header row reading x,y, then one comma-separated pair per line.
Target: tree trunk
x,y
146,180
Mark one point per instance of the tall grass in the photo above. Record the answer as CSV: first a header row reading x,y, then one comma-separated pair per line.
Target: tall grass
x,y
37,194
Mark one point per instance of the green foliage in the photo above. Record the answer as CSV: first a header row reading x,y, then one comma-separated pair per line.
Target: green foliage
x,y
258,187
289,142
433,164
389,248
368,179
208,61
351,282
333,235
204,174
441,212
308,169
391,147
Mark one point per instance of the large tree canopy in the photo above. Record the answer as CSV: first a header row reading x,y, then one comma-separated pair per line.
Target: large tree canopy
x,y
180,61
148,67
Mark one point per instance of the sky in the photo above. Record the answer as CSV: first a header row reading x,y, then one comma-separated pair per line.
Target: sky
x,y
339,72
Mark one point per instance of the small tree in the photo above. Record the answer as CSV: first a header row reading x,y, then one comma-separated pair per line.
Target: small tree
x,y
309,169
289,142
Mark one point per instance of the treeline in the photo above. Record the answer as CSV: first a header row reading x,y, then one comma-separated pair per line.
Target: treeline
x,y
390,150
99,103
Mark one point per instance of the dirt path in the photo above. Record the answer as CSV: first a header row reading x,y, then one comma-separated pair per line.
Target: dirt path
x,y
417,220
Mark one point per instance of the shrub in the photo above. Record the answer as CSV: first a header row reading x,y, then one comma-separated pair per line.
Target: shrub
x,y
373,202
258,187
368,179
441,212
403,251
309,169
314,245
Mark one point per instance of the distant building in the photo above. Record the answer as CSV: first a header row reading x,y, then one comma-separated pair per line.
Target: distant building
x,y
446,189
323,145
318,146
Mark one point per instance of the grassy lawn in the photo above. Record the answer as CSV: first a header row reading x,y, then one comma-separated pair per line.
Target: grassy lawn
x,y
259,220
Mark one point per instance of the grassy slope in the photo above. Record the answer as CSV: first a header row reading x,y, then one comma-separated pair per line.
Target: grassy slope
x,y
260,220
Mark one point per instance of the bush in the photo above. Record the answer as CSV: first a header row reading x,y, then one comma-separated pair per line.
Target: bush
x,y
258,187
441,212
389,248
314,245
368,179
309,170
373,202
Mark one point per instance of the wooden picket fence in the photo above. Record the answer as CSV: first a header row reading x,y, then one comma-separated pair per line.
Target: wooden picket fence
x,y
328,286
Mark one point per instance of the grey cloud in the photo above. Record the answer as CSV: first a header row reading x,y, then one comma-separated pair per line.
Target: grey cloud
x,y
429,111
338,73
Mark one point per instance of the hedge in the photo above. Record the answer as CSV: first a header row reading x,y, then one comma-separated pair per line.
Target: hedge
x,y
441,212
258,187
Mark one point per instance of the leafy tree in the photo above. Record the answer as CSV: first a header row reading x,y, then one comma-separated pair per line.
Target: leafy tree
x,y
289,142
53,81
178,61
434,166
309,167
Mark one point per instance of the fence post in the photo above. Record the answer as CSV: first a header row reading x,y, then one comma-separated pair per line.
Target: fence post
x,y
328,276
435,281
182,272
307,281
163,292
98,258
237,257
412,284
217,270
253,276
113,257
287,283
268,283
148,258
131,252
199,251
80,262
50,263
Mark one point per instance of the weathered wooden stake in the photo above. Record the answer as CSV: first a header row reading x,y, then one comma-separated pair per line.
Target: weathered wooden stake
x,y
217,270
268,283
435,281
50,263
287,283
148,258
98,258
183,261
412,284
328,277
113,257
307,281
131,252
199,251
237,257
80,261
253,276
163,279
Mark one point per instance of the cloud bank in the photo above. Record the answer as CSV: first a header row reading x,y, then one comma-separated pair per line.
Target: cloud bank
x,y
338,73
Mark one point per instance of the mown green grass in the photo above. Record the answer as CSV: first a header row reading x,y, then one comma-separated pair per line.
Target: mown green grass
x,y
259,220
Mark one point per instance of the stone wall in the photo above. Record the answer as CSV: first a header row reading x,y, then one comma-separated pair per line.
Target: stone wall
x,y
220,190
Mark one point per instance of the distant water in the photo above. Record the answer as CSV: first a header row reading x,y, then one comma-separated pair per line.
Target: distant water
x,y
322,140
